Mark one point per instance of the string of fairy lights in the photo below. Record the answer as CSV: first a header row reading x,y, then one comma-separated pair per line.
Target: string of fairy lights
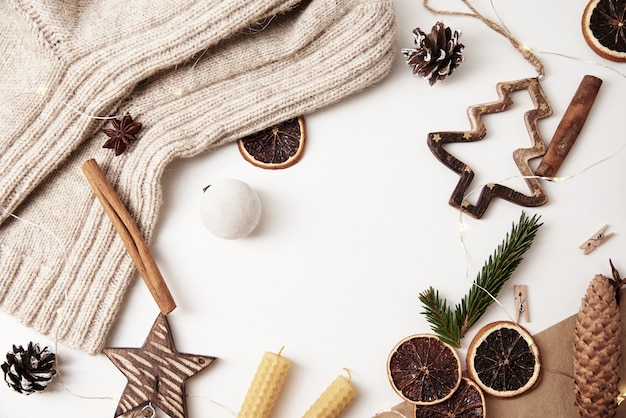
x,y
149,411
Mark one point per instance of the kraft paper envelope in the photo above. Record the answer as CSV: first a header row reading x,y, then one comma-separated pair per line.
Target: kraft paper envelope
x,y
553,397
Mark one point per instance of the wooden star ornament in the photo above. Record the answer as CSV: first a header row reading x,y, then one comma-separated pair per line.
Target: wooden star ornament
x,y
156,372
436,141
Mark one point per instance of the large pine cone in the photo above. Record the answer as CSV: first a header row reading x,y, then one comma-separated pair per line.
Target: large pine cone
x,y
437,54
29,370
597,350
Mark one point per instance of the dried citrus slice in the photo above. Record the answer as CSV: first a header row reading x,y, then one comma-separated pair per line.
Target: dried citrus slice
x,y
276,147
503,359
604,28
423,369
467,401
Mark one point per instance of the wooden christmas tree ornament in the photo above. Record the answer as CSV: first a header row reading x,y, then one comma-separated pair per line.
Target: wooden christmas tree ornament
x,y
564,137
436,141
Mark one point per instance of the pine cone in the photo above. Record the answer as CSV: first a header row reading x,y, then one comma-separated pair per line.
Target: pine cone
x,y
597,350
437,54
30,370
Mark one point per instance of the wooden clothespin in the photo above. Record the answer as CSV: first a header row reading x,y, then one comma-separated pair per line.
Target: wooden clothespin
x,y
521,303
596,240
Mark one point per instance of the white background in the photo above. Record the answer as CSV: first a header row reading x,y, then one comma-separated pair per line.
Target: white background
x,y
352,233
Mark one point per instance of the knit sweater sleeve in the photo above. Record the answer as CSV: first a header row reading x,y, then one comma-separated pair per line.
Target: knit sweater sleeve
x,y
72,59
72,282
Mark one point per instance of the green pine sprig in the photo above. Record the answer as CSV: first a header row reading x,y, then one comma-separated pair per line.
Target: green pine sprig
x,y
450,325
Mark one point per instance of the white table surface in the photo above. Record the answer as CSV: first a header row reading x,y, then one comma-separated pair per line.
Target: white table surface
x,y
352,233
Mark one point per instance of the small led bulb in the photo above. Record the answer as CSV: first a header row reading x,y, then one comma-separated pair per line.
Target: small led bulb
x,y
230,209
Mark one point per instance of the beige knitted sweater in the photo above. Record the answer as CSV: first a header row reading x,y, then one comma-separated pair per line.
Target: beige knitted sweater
x,y
196,73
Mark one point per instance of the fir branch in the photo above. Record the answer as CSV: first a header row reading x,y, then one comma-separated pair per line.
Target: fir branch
x,y
451,325
439,314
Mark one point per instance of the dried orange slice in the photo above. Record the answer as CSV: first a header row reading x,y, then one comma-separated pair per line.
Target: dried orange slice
x,y
276,147
467,401
604,28
423,369
503,359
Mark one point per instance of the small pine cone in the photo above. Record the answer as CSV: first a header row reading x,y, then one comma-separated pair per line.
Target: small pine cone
x,y
30,370
597,350
437,54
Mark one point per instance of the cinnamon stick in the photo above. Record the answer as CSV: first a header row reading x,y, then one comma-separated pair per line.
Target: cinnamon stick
x,y
570,126
131,236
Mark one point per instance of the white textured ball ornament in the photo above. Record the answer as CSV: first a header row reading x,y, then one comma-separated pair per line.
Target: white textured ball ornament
x,y
230,209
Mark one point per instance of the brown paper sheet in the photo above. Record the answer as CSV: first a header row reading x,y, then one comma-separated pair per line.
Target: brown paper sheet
x,y
553,397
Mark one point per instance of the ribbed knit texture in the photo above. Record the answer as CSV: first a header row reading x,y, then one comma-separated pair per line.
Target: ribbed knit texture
x,y
597,351
96,53
307,58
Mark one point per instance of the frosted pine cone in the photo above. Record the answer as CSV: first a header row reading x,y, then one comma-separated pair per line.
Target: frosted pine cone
x,y
597,350
437,54
29,370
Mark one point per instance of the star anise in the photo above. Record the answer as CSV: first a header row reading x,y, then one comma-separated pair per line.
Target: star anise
x,y
122,134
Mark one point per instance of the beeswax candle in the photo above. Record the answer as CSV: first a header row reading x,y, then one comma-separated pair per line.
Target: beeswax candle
x,y
333,400
265,387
